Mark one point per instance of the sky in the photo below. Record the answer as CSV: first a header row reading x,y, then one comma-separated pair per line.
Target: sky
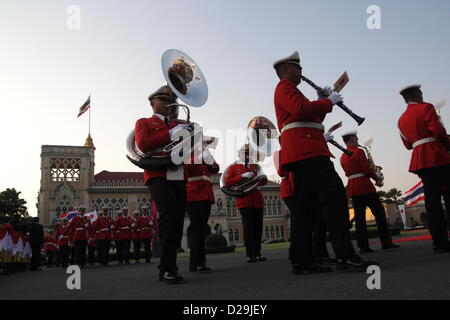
x,y
47,70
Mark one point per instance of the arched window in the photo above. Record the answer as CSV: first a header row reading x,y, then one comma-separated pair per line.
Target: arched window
x,y
267,233
230,235
280,210
229,213
270,207
277,231
236,234
282,233
272,233
234,209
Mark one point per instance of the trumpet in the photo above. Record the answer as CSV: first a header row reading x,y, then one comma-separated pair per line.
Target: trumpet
x,y
341,105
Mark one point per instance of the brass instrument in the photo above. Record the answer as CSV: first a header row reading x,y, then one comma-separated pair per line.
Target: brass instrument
x,y
261,136
377,169
187,81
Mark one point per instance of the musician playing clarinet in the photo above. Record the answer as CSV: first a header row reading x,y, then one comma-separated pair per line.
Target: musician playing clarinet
x,y
304,152
422,132
363,194
250,206
167,187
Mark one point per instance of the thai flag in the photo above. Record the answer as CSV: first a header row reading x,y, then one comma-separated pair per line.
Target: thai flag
x,y
414,195
68,215
85,107
92,216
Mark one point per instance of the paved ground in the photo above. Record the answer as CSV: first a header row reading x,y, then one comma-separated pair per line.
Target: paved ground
x,y
411,272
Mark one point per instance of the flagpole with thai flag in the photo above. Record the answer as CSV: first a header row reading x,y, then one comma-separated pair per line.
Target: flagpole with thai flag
x,y
85,107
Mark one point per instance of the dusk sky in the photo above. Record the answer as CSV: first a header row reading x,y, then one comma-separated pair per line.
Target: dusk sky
x,y
48,71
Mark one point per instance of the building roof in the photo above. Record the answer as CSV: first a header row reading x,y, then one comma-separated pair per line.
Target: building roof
x,y
119,176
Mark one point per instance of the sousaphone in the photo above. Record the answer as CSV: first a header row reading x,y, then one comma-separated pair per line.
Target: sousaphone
x,y
187,81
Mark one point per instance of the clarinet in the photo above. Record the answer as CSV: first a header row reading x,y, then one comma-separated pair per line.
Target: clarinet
x,y
341,105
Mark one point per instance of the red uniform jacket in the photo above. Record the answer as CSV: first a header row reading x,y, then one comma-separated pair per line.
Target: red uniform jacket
x,y
62,236
200,190
2,231
50,244
255,198
135,229
111,223
151,134
144,223
300,143
358,163
102,228
287,179
418,122
123,228
78,230
91,235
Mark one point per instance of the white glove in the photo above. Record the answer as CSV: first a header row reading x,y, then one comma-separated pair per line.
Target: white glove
x,y
248,175
335,98
328,136
379,175
207,157
176,130
324,93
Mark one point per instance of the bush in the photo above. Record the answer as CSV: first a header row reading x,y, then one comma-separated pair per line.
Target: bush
x,y
216,241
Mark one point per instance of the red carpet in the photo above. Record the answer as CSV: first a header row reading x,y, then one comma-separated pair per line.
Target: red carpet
x,y
418,238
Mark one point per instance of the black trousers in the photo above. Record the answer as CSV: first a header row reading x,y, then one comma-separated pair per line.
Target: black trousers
x,y
317,179
252,220
80,252
319,242
36,257
50,257
64,252
91,254
72,255
199,213
436,183
147,242
123,250
170,199
137,249
103,251
373,202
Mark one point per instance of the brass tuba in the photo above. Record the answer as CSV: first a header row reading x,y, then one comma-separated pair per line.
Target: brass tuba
x,y
261,136
187,81
377,169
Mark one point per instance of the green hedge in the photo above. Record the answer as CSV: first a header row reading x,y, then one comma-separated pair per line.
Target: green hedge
x,y
216,241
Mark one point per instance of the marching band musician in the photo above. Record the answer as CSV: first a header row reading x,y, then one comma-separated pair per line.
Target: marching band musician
x,y
62,240
250,206
422,132
363,194
50,247
92,243
79,237
102,236
304,152
122,227
145,223
168,194
200,197
136,235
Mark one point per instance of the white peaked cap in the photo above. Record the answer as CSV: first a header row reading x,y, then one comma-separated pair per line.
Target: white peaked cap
x,y
350,133
414,86
293,59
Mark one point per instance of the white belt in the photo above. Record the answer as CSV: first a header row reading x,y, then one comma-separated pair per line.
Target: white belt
x,y
357,175
199,178
146,228
79,229
423,141
125,228
105,229
311,125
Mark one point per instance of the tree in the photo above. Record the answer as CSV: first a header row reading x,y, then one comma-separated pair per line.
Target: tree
x,y
395,195
11,203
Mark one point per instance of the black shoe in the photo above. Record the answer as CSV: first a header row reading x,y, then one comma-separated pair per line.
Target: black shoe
x,y
441,250
325,261
354,264
251,259
170,277
261,259
137,262
203,269
127,262
148,261
391,246
313,268
366,250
